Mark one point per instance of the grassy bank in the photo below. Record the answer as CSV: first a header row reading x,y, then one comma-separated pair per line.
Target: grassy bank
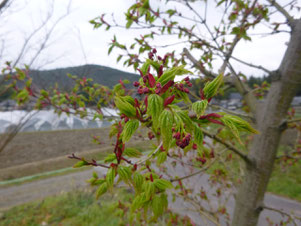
x,y
80,208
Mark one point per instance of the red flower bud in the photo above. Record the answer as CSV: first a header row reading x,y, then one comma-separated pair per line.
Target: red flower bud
x,y
166,86
146,102
169,100
160,69
151,80
136,84
177,135
186,79
141,74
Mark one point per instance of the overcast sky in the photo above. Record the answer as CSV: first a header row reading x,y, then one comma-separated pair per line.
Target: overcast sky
x,y
75,42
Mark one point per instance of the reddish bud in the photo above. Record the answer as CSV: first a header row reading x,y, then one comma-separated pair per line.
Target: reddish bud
x,y
194,146
186,79
150,55
141,74
177,135
166,86
122,84
154,51
136,103
151,80
146,102
151,177
160,72
169,100
136,84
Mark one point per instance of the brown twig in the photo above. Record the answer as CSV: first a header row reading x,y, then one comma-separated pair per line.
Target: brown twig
x,y
229,146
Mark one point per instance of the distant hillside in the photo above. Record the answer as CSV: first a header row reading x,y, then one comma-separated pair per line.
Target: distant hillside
x,y
100,74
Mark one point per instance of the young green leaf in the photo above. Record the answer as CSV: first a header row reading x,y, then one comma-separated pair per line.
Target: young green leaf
x,y
124,173
212,87
110,158
155,107
198,135
129,129
125,107
101,189
170,74
80,164
162,184
138,181
166,122
199,107
132,152
149,189
110,177
161,158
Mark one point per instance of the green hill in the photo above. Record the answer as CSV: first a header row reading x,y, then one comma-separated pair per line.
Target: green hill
x,y
103,75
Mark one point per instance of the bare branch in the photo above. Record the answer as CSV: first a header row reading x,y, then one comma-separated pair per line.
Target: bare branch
x,y
292,218
282,10
149,157
229,146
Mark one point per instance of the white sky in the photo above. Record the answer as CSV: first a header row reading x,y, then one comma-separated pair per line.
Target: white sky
x,y
65,49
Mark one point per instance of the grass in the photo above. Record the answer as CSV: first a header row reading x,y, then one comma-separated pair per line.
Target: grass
x,y
76,208
286,182
80,208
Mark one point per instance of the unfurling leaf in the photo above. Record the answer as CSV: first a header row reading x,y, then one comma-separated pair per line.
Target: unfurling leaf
x,y
80,164
159,204
110,177
238,122
101,189
161,158
155,107
162,184
125,107
149,189
198,135
166,122
212,87
124,173
138,181
132,152
169,75
199,107
110,158
129,129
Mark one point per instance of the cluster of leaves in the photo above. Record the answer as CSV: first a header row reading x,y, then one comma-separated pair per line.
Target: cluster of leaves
x,y
158,109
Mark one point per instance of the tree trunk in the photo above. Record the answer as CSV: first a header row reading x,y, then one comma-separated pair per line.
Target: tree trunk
x,y
270,122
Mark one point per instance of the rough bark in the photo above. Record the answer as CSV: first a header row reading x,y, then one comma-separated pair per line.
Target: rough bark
x,y
270,120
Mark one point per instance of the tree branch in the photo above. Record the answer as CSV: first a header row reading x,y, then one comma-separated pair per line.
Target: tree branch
x,y
149,157
288,17
292,218
229,146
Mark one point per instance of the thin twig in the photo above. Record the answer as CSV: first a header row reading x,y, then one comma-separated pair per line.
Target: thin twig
x,y
149,157
292,218
280,9
229,146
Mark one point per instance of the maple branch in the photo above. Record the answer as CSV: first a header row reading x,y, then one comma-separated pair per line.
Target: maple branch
x,y
229,146
288,17
292,218
149,157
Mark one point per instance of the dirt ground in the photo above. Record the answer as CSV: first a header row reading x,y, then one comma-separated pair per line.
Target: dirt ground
x,y
34,146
